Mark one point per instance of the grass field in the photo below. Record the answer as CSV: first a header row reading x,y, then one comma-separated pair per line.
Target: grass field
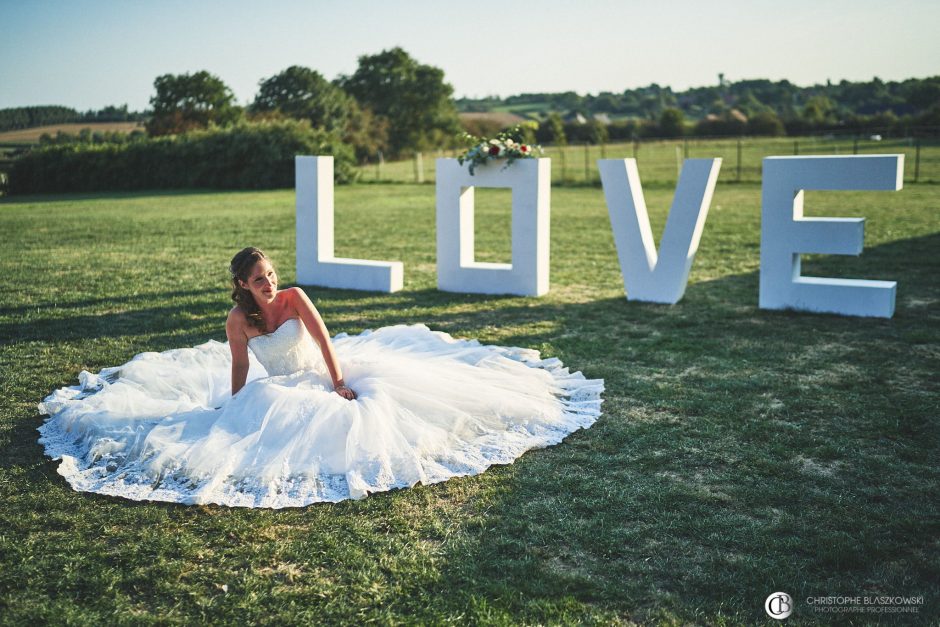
x,y
659,160
741,451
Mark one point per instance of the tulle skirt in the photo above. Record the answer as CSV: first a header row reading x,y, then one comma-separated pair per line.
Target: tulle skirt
x,y
165,427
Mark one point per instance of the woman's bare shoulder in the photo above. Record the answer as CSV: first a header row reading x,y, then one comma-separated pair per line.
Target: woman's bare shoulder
x,y
237,320
293,292
297,298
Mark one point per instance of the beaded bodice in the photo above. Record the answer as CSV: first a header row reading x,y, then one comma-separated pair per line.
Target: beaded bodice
x,y
287,349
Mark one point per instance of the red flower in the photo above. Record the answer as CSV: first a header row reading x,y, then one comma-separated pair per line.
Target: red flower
x,y
494,150
524,148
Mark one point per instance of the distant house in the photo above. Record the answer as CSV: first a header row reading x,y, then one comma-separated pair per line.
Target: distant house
x,y
603,118
733,115
574,117
737,115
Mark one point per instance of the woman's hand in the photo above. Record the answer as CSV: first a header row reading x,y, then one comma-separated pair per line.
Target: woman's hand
x,y
344,391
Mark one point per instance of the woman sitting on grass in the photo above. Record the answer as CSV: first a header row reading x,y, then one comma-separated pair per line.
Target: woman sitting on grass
x,y
271,418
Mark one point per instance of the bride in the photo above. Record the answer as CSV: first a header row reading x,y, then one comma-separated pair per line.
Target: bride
x,y
284,416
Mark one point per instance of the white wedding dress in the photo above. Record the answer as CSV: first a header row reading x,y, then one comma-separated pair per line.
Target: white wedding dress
x,y
164,426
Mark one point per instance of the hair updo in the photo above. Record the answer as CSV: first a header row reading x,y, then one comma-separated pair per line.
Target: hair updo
x,y
240,268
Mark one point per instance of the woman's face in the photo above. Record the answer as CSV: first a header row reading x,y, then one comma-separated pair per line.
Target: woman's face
x,y
262,282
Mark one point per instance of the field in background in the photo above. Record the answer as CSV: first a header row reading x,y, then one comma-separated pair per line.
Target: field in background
x,y
13,142
659,160
741,451
29,136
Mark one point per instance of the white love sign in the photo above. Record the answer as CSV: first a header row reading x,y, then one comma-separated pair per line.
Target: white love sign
x,y
647,275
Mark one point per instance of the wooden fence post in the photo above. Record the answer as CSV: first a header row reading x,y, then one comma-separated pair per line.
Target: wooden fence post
x,y
587,161
419,167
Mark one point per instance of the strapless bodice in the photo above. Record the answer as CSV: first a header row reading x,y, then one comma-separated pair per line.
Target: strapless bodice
x,y
289,348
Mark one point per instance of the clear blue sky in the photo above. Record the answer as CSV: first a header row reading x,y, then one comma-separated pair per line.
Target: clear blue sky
x,y
88,54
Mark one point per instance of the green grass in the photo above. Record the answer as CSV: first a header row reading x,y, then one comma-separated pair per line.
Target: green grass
x,y
659,160
741,451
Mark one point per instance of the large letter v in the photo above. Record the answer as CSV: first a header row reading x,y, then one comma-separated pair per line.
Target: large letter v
x,y
646,276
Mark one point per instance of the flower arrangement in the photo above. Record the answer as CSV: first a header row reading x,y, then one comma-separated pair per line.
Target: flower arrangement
x,y
503,146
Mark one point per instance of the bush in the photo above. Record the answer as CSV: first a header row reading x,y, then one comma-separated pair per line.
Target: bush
x,y
552,131
245,156
672,123
765,123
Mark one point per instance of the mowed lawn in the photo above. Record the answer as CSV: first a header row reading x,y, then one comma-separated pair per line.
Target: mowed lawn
x,y
741,452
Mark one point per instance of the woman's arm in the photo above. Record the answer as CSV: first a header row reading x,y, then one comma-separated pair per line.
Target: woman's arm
x,y
311,318
238,344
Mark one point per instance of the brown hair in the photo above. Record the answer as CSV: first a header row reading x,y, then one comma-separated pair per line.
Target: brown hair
x,y
240,268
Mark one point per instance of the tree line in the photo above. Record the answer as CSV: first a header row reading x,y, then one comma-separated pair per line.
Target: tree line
x,y
391,104
30,117
760,107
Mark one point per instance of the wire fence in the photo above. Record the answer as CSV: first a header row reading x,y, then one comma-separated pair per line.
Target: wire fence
x,y
660,160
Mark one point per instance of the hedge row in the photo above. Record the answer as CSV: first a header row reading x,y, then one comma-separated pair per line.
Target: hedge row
x,y
244,156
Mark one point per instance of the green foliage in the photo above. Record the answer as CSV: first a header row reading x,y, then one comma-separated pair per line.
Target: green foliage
x,y
765,123
818,110
29,117
627,129
598,132
509,146
672,123
801,109
304,94
112,113
366,132
86,136
412,96
186,102
244,156
552,131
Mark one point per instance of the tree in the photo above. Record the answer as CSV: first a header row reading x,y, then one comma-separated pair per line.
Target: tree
x,y
672,123
413,97
552,130
818,110
190,101
366,132
598,132
301,93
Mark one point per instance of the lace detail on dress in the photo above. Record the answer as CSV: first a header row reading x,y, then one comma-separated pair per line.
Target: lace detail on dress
x,y
288,349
